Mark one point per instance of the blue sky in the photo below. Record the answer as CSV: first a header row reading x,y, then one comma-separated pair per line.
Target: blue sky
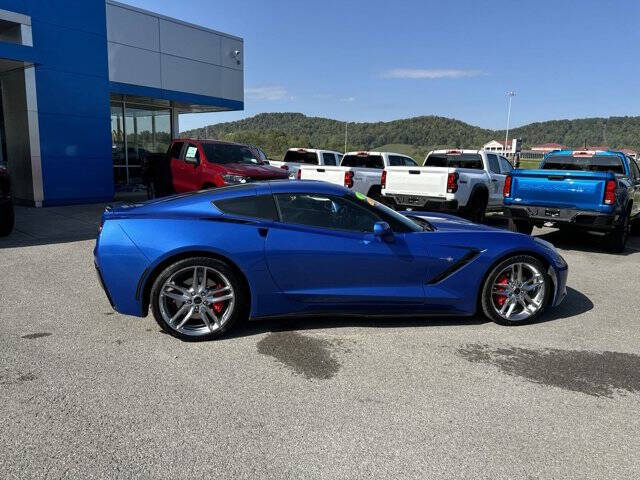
x,y
378,60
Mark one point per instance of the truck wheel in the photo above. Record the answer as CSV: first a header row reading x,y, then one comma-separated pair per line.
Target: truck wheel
x,y
521,226
151,190
476,208
7,219
618,237
635,227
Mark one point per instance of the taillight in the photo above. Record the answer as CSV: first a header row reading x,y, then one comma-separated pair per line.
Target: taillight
x,y
452,182
348,179
284,167
299,174
506,190
610,192
383,179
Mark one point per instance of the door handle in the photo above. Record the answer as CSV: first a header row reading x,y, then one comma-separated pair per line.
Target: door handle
x,y
263,232
320,170
494,180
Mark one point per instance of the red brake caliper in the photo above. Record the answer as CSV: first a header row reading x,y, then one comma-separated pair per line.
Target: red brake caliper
x,y
499,298
217,307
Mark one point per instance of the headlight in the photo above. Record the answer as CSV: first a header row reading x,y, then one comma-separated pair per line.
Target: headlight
x,y
234,179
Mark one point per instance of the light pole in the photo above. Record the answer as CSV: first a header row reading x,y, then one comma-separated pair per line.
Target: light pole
x,y
345,136
506,137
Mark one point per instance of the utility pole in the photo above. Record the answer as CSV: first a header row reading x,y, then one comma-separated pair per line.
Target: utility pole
x,y
506,137
346,125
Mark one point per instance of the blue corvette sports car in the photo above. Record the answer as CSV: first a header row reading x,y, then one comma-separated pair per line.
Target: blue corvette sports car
x,y
206,261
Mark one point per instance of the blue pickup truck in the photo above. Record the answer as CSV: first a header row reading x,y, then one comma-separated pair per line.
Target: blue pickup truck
x,y
590,190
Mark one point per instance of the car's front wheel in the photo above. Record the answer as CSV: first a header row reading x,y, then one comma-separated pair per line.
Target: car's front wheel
x,y
198,299
516,291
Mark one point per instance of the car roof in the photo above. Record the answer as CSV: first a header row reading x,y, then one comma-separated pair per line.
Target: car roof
x,y
304,186
611,153
213,142
312,150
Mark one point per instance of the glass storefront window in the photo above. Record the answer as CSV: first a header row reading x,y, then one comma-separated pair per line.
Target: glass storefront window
x,y
144,130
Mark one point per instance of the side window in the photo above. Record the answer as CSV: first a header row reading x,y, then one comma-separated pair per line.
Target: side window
x,y
338,159
494,166
329,159
192,154
635,172
396,161
505,165
176,150
409,162
335,213
262,206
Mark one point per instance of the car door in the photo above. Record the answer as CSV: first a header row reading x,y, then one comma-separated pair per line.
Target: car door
x,y
176,165
496,180
324,253
191,172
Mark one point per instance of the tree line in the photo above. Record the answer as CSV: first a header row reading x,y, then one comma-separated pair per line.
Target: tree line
x,y
276,132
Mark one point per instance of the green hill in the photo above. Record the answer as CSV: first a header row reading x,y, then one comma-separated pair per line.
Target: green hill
x,y
276,132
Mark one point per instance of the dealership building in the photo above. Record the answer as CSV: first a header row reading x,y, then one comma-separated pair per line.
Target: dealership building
x,y
89,87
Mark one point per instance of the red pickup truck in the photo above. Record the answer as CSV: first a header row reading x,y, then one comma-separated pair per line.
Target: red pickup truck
x,y
199,164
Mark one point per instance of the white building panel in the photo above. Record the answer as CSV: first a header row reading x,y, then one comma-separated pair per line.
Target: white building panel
x,y
151,50
133,28
188,42
134,66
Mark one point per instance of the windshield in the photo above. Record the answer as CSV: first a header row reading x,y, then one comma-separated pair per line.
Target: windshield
x,y
301,156
362,161
397,222
596,163
456,160
223,153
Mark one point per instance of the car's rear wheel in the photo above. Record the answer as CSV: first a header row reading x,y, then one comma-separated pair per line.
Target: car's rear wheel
x,y
198,299
516,291
617,239
7,219
476,208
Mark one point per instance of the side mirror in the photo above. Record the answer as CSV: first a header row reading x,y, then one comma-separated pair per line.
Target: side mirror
x,y
192,160
383,231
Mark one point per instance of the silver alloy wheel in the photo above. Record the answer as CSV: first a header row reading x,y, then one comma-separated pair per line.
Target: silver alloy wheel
x,y
196,300
518,292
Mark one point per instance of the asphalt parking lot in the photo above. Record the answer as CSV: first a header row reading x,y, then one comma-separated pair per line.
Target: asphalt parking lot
x,y
86,392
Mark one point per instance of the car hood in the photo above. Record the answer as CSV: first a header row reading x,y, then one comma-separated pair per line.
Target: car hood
x,y
256,171
444,222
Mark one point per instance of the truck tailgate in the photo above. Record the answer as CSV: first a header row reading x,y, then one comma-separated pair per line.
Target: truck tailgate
x,y
333,175
425,181
559,188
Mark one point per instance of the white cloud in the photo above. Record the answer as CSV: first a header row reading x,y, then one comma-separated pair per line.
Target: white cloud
x,y
348,99
270,93
419,73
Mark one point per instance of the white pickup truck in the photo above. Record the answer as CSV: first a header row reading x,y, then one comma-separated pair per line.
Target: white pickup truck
x,y
468,182
360,171
296,157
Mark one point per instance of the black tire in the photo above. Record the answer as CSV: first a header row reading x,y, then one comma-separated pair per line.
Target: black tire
x,y
486,300
241,301
635,227
617,239
151,191
7,219
521,226
476,207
